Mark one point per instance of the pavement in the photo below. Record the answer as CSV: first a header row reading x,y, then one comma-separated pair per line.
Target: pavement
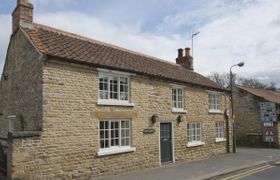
x,y
211,168
204,169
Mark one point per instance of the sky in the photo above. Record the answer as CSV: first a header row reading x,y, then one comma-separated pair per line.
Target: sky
x,y
230,30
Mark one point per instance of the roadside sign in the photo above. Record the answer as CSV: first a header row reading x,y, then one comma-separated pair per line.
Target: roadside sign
x,y
268,134
268,131
267,124
268,112
269,139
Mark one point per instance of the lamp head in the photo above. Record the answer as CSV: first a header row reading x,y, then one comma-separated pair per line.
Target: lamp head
x,y
241,64
194,34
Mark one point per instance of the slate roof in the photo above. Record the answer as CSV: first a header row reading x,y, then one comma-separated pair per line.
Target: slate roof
x,y
71,47
268,95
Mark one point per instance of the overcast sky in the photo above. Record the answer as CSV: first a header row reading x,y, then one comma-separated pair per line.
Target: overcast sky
x,y
230,30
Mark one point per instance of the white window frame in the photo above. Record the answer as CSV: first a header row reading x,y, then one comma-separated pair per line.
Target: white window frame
x,y
220,131
215,104
115,149
114,102
190,130
176,109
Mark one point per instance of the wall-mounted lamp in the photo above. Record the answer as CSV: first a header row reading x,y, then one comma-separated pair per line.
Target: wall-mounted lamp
x,y
180,118
227,113
154,118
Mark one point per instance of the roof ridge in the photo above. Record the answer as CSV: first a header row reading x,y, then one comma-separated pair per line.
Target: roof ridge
x,y
84,38
267,90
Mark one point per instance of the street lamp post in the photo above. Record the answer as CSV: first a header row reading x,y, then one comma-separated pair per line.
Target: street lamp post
x,y
194,34
231,99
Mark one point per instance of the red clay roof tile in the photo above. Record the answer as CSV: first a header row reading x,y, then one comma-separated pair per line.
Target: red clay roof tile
x,y
268,95
68,46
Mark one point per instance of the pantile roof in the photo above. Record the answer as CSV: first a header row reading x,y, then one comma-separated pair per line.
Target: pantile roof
x,y
68,46
268,95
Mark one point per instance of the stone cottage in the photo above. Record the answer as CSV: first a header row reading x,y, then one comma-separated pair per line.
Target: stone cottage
x,y
257,118
76,108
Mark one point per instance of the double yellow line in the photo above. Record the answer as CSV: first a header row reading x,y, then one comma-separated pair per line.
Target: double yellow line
x,y
249,172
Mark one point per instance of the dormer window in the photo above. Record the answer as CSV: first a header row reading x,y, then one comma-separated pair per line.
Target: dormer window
x,y
114,88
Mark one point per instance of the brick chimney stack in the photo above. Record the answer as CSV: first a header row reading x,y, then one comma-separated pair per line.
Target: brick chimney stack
x,y
185,61
22,15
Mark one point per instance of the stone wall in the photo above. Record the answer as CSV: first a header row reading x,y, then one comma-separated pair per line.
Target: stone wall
x,y
3,157
68,146
21,92
249,128
247,118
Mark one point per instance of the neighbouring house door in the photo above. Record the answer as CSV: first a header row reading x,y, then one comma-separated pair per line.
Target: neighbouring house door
x,y
166,142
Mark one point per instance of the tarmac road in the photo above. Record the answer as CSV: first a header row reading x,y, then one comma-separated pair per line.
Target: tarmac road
x,y
268,174
266,171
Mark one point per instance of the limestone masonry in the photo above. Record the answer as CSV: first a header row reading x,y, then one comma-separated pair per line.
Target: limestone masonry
x,y
63,118
251,130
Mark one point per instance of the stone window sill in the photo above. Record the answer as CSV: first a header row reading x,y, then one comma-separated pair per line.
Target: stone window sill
x,y
213,111
220,140
106,152
114,103
196,143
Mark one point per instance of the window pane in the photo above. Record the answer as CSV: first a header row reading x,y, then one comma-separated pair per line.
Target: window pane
x,y
174,97
107,134
180,104
103,88
116,142
102,135
102,144
126,141
106,144
113,87
122,133
101,125
106,123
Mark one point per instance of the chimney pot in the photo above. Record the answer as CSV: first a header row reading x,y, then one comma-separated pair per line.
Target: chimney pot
x,y
187,60
180,53
22,2
187,52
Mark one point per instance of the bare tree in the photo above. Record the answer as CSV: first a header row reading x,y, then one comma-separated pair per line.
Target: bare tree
x,y
223,79
251,83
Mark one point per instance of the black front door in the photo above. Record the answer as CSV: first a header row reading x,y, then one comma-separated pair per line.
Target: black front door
x,y
165,142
